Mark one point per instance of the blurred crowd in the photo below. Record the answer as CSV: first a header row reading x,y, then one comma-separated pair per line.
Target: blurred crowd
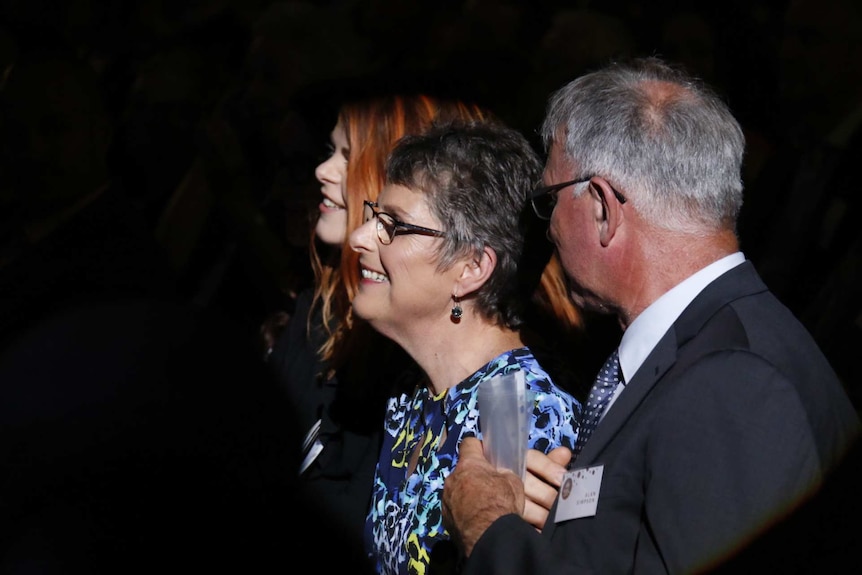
x,y
209,116
166,148
170,146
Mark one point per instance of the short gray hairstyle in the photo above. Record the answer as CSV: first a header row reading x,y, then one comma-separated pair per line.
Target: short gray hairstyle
x,y
477,178
668,142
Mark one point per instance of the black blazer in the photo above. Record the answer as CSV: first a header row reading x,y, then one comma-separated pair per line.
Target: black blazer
x,y
733,417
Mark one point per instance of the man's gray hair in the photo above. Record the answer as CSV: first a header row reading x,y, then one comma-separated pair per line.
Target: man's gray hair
x,y
666,141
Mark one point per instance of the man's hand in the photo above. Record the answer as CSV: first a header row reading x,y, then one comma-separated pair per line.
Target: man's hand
x,y
544,476
476,494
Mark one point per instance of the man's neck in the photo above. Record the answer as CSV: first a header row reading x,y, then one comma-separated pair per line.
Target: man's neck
x,y
669,263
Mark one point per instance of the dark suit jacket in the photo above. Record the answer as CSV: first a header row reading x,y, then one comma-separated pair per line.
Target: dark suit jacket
x,y
799,226
732,419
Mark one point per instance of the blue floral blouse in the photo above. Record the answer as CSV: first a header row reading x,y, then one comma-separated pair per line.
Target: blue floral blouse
x,y
405,519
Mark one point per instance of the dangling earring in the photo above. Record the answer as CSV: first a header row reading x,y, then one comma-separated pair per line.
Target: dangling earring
x,y
457,312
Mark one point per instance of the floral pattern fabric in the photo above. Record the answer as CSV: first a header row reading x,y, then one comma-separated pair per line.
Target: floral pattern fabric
x,y
405,519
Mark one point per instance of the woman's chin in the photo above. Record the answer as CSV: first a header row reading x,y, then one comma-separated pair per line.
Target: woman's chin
x,y
331,233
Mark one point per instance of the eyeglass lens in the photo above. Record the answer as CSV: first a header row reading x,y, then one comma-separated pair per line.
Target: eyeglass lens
x,y
385,225
544,204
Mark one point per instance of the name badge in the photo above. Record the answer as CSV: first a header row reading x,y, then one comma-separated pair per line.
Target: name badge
x,y
579,494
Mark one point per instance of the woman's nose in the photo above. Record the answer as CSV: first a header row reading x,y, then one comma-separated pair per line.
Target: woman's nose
x,y
325,172
362,239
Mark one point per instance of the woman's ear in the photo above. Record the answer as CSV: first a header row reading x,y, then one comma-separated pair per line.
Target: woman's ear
x,y
475,271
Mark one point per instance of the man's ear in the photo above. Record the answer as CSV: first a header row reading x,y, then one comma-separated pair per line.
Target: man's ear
x,y
608,210
475,271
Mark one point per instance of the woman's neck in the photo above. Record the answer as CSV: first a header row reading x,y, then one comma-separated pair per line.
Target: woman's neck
x,y
448,358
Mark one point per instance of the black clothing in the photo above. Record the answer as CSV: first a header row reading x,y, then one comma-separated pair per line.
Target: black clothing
x,y
800,228
351,405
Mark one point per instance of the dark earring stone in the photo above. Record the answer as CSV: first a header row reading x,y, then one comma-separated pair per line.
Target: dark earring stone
x,y
457,312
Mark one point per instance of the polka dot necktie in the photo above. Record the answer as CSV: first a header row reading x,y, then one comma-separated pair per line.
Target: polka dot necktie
x,y
603,389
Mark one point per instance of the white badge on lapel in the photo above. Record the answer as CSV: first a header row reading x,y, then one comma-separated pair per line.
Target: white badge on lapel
x,y
579,494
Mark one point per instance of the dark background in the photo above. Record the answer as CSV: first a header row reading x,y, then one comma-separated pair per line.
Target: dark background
x,y
204,120
169,145
160,153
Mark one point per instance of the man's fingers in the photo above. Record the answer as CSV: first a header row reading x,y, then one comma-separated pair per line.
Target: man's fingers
x,y
470,447
539,491
551,467
475,495
560,455
535,515
544,476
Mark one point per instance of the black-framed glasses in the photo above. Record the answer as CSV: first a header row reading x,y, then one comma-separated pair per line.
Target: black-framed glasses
x,y
388,227
544,198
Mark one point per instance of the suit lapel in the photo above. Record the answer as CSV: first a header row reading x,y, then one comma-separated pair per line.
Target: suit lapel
x,y
735,283
738,282
662,357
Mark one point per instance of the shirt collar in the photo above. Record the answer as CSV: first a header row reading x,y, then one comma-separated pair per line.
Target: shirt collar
x,y
650,326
